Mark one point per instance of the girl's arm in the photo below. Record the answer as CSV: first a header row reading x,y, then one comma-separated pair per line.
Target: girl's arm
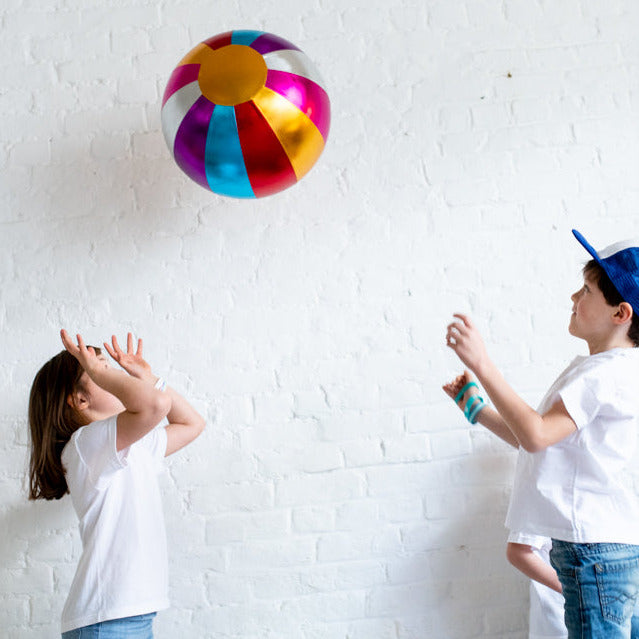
x,y
533,431
524,559
144,405
487,417
185,423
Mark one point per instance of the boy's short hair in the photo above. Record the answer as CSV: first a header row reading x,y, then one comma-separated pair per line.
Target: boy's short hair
x,y
612,296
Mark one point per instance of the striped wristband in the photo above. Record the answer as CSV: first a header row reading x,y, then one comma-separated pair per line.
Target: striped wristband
x,y
474,404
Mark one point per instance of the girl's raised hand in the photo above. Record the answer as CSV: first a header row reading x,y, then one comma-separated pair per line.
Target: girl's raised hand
x,y
86,355
132,361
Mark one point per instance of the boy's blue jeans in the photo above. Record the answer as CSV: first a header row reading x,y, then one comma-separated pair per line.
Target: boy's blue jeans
x,y
600,586
138,627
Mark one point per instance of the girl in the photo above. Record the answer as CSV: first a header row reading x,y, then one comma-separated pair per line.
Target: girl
x,y
93,435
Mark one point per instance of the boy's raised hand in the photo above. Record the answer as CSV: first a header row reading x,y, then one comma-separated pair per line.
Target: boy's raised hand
x,y
132,361
464,339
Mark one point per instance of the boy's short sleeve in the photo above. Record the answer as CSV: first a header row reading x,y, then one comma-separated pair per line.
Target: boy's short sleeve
x,y
604,391
580,399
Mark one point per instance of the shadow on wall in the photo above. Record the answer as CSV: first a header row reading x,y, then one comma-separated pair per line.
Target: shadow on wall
x,y
88,217
109,180
102,190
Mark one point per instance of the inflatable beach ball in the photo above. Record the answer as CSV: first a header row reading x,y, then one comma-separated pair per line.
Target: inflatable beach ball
x,y
245,114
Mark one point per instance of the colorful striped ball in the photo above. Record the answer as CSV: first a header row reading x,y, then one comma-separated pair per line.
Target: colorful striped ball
x,y
245,114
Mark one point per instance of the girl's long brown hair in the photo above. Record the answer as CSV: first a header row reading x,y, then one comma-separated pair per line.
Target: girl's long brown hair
x,y
52,421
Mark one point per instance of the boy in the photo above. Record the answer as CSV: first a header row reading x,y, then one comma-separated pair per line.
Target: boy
x,y
569,480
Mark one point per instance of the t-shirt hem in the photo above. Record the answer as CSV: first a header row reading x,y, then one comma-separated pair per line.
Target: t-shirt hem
x,y
560,636
115,613
589,537
534,541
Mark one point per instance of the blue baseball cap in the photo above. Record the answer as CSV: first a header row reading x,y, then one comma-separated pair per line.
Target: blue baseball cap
x,y
620,261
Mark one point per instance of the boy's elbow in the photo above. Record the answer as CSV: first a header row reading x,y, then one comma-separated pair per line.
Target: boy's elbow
x,y
536,439
535,444
532,446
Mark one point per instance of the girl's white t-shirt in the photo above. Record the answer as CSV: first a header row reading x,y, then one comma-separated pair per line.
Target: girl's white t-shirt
x,y
123,570
580,489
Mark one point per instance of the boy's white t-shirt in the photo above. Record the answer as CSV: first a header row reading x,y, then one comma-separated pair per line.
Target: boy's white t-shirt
x,y
123,570
579,489
546,605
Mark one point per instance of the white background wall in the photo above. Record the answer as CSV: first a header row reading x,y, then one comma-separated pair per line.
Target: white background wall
x,y
336,493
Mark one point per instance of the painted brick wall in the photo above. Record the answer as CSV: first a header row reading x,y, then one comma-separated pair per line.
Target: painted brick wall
x,y
336,493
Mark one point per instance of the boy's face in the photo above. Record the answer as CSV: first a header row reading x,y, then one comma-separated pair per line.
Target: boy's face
x,y
591,317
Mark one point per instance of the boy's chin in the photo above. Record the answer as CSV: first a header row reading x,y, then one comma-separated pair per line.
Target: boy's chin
x,y
572,328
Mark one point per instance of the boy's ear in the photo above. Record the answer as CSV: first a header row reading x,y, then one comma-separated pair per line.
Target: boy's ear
x,y
623,314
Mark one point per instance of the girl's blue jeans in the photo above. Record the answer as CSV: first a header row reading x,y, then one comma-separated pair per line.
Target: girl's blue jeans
x,y
138,627
600,586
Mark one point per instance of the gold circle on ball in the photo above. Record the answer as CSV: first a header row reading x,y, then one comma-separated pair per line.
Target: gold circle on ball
x,y
232,74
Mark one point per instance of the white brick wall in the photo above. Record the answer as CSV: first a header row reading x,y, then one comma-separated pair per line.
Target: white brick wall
x,y
337,493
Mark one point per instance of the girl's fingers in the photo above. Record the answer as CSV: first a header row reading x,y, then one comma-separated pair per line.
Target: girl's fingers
x,y
116,346
109,350
68,343
139,353
81,343
129,343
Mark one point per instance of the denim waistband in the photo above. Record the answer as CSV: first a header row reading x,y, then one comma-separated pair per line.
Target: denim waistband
x,y
589,550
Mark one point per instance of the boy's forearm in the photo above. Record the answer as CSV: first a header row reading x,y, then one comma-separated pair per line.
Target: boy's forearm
x,y
494,422
522,420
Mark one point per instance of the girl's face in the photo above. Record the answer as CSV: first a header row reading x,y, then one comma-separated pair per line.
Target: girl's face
x,y
99,403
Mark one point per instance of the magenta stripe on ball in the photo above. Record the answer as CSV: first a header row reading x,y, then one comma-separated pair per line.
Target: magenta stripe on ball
x,y
180,77
306,95
190,142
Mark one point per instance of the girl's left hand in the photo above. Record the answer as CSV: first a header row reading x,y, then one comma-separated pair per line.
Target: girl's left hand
x,y
132,361
463,337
